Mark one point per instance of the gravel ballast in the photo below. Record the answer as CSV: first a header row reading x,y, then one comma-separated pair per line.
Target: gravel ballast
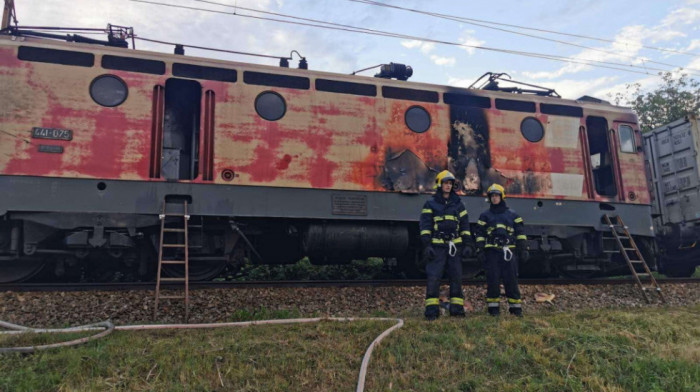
x,y
53,309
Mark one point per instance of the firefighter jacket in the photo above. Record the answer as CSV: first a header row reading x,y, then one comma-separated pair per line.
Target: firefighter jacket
x,y
499,226
444,220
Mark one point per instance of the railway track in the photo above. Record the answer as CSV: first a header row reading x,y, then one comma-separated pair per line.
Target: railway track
x,y
121,286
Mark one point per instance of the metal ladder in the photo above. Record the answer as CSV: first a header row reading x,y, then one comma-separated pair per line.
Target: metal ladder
x,y
615,223
161,260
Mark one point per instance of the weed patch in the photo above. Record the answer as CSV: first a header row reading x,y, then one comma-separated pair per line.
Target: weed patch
x,y
651,349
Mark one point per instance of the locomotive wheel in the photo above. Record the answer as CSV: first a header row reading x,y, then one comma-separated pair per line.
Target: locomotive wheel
x,y
19,270
199,270
680,271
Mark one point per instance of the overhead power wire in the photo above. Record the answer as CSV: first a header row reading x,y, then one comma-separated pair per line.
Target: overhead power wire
x,y
464,19
341,27
104,30
236,7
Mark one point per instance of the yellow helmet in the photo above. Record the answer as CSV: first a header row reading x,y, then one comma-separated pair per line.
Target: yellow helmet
x,y
444,175
496,189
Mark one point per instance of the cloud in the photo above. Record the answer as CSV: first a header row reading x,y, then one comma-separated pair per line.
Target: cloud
x,y
448,61
627,44
694,44
646,84
425,47
468,38
460,82
574,89
567,88
684,15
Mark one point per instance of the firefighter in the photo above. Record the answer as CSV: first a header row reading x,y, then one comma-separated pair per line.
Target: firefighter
x,y
445,235
500,242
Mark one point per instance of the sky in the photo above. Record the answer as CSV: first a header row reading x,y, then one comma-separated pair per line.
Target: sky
x,y
632,26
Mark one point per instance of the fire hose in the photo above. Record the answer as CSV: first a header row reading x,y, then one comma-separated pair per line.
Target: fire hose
x,y
107,327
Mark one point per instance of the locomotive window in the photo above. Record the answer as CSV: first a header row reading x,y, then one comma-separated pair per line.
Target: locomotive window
x,y
532,129
65,57
474,101
417,119
133,64
108,90
336,86
561,110
275,80
626,138
410,94
515,106
270,105
208,73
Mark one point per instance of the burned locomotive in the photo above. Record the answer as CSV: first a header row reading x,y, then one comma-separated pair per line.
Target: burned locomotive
x,y
278,163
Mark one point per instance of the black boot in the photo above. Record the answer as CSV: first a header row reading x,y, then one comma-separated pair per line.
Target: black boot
x,y
494,311
432,312
517,312
457,310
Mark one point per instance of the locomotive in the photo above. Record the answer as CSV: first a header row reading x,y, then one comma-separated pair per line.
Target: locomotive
x,y
276,163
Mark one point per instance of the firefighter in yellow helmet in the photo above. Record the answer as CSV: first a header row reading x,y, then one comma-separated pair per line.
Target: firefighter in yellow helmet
x,y
500,242
445,235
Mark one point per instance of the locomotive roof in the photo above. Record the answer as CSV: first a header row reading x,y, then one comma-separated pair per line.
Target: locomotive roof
x,y
136,53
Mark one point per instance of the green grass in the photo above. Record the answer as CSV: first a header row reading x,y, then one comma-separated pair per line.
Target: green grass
x,y
651,349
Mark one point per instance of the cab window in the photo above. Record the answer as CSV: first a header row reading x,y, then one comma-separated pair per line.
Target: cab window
x,y
627,143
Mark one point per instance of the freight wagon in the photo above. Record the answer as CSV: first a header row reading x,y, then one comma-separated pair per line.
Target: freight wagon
x,y
673,167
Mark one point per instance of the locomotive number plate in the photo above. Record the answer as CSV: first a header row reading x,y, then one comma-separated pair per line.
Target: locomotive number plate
x,y
349,205
52,133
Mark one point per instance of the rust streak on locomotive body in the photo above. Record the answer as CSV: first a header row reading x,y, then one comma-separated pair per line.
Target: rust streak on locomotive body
x,y
323,140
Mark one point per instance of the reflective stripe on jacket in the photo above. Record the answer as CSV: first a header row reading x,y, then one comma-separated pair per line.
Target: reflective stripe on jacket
x,y
493,229
444,220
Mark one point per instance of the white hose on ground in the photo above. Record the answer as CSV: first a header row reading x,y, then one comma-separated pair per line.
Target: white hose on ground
x,y
106,325
109,327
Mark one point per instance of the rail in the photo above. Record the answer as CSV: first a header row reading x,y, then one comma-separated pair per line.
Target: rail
x,y
126,286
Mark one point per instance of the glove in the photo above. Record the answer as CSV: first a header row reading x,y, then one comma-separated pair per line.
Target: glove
x,y
467,251
428,253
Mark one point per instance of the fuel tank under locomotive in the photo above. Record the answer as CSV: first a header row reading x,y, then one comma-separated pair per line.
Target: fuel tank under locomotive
x,y
338,242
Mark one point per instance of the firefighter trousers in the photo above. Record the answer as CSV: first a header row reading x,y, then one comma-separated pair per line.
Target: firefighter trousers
x,y
498,268
434,270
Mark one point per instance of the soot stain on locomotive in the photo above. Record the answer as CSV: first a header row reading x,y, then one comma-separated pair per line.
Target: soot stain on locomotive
x,y
468,150
468,158
404,171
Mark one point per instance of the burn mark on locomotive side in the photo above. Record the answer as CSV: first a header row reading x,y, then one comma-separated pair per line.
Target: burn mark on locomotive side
x,y
404,171
468,153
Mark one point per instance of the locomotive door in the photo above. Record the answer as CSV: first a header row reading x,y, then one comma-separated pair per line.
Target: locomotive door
x,y
176,128
602,159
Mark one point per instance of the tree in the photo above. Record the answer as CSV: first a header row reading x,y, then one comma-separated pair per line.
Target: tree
x,y
672,100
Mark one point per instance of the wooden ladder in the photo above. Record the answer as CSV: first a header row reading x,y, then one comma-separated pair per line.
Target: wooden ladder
x,y
174,245
615,223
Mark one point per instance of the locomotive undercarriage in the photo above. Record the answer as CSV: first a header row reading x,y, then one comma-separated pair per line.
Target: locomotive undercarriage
x,y
103,248
679,252
92,225
120,247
